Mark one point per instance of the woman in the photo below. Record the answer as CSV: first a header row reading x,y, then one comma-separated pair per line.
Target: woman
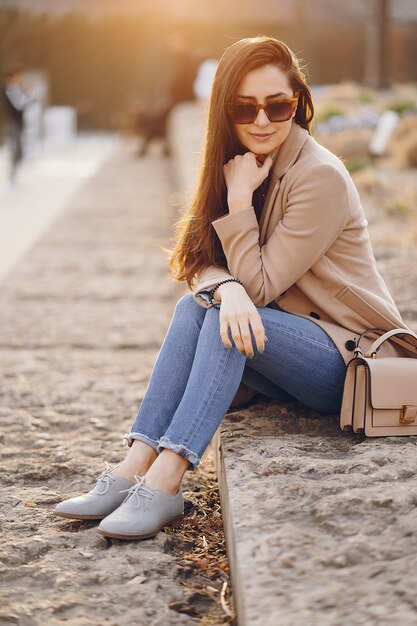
x,y
277,235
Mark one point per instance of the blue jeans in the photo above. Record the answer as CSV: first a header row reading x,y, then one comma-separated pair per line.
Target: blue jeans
x,y
195,377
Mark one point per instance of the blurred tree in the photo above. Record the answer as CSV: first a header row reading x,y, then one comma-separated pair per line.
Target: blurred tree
x,y
100,64
377,74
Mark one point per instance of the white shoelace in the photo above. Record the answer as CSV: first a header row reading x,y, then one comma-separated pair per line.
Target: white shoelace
x,y
105,479
140,489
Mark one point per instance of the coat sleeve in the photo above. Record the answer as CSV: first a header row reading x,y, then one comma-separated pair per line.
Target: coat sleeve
x,y
206,280
316,213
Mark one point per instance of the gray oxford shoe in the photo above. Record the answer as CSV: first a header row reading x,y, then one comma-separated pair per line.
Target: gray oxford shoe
x,y
144,512
105,497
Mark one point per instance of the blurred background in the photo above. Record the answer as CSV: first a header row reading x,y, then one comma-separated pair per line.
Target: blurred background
x,y
80,75
100,55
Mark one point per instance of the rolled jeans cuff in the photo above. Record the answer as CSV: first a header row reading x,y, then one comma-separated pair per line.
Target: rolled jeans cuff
x,y
129,438
180,449
162,443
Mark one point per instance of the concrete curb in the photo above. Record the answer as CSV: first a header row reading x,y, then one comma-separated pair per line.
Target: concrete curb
x,y
228,523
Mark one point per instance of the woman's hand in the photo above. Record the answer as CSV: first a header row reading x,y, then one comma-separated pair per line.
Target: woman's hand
x,y
238,311
243,175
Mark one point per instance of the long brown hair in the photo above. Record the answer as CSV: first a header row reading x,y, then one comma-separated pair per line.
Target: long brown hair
x,y
197,244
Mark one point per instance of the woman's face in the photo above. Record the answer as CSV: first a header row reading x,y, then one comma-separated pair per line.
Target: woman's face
x,y
263,137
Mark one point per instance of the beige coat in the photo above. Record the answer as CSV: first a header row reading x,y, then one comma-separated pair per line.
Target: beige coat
x,y
310,254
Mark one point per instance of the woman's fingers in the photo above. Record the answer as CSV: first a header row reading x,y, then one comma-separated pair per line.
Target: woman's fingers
x,y
224,332
254,322
245,169
236,334
258,331
238,313
241,335
246,338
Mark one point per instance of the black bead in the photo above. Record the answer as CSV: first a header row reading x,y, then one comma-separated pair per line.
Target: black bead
x,y
350,345
315,315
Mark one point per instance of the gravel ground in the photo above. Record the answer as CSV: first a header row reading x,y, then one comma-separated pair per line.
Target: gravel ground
x,y
82,318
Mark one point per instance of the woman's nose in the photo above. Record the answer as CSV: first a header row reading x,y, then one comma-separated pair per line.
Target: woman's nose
x,y
262,118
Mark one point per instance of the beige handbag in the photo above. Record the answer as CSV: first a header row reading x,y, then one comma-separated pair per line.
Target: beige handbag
x,y
380,394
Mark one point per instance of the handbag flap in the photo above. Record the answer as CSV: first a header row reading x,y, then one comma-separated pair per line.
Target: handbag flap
x,y
393,383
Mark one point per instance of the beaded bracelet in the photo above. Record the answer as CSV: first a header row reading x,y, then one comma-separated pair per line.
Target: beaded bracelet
x,y
212,291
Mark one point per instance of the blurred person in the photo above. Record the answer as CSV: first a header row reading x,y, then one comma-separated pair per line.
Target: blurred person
x,y
16,98
276,251
151,123
187,60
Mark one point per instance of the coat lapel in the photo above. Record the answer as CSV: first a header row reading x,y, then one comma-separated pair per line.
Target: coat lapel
x,y
287,155
267,208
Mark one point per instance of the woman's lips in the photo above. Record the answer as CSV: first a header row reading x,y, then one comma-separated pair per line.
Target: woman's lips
x,y
261,137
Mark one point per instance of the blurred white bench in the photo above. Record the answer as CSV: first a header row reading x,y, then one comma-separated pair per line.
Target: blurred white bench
x,y
385,129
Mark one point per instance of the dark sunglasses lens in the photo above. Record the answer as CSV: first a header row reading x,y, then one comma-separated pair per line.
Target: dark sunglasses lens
x,y
278,111
244,113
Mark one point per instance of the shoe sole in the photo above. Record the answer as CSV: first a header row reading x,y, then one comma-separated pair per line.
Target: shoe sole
x,y
79,517
175,522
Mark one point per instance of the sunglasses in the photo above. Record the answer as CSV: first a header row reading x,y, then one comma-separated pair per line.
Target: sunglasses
x,y
277,110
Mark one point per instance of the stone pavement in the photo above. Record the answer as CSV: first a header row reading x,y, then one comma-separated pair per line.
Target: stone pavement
x,y
320,524
82,317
